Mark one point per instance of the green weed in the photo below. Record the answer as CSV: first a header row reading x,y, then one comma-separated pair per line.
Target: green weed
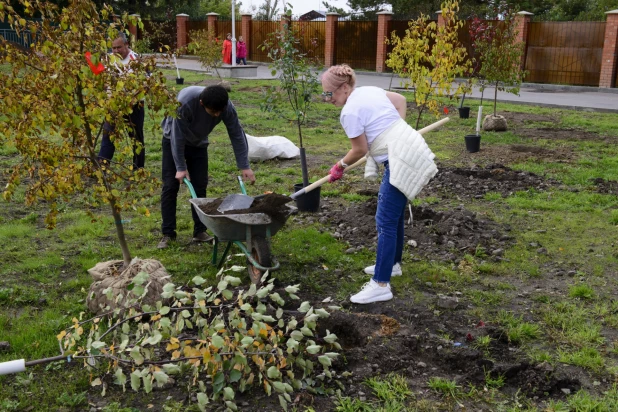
x,y
581,291
588,358
444,386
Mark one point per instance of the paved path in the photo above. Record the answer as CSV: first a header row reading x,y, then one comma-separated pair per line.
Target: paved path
x,y
568,97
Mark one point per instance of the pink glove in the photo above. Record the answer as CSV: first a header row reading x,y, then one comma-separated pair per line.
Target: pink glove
x,y
336,172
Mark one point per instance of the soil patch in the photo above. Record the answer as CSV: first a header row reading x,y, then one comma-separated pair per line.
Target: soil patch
x,y
418,349
517,153
606,186
271,204
561,134
445,235
521,119
475,182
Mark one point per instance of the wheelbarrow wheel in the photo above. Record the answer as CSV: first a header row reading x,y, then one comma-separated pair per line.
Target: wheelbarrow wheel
x,y
260,252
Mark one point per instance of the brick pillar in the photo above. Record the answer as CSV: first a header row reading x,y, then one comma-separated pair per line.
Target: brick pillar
x,y
181,30
246,20
286,20
441,21
330,48
383,19
610,51
522,26
133,31
212,25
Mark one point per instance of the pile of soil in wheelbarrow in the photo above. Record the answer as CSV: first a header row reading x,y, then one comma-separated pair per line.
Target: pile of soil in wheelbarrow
x,y
271,204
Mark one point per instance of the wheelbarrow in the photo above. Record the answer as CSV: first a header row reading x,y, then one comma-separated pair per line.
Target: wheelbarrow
x,y
255,229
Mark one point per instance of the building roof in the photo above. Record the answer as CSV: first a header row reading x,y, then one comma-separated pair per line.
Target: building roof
x,y
312,15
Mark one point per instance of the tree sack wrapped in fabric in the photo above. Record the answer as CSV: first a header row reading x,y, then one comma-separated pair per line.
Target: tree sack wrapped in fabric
x,y
111,290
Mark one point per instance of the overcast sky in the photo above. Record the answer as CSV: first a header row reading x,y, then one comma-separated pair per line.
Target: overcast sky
x,y
299,6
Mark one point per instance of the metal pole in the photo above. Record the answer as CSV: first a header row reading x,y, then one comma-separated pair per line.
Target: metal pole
x,y
233,32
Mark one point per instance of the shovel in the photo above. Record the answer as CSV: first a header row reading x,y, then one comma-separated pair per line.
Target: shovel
x,y
360,162
236,201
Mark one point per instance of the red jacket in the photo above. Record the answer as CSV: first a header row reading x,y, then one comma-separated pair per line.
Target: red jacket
x,y
227,51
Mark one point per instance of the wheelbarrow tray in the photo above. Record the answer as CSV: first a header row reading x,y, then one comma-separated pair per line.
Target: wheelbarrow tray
x,y
233,227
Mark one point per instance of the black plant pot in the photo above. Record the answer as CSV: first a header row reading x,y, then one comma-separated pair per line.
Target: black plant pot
x,y
464,112
180,80
473,143
308,202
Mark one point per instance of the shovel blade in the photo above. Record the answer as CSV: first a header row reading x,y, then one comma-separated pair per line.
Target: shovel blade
x,y
235,202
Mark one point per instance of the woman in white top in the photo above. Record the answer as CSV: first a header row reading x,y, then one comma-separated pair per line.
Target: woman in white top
x,y
371,115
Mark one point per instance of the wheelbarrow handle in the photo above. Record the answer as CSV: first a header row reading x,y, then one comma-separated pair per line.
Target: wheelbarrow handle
x,y
190,186
361,161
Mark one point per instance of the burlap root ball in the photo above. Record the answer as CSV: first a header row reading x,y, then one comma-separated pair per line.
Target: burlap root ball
x,y
106,274
494,123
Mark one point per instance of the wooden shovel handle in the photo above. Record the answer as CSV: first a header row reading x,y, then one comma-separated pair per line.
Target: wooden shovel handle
x,y
364,158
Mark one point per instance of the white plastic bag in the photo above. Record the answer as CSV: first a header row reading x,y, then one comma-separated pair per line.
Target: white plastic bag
x,y
270,147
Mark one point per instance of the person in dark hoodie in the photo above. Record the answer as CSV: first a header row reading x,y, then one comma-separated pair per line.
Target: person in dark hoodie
x,y
185,151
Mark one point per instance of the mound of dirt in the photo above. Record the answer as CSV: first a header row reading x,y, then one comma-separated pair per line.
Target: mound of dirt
x,y
444,235
416,347
271,204
476,182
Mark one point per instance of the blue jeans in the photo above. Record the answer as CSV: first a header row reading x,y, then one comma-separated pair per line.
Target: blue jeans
x,y
389,222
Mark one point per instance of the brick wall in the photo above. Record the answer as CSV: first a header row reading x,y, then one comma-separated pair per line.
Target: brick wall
x,y
610,49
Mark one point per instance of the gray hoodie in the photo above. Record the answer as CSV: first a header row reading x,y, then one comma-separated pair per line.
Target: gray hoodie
x,y
193,126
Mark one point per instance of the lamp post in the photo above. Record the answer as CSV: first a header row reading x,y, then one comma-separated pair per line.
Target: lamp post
x,y
233,32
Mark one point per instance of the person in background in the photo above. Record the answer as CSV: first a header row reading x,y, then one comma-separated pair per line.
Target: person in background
x,y
185,151
241,51
227,49
120,47
374,121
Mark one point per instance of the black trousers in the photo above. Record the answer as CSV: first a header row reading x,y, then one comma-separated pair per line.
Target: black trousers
x,y
197,166
136,132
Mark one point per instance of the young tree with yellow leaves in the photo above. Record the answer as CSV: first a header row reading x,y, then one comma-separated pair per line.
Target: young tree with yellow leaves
x,y
429,58
57,95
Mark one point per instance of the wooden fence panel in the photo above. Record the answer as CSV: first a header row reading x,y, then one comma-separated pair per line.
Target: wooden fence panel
x,y
195,25
224,27
353,44
312,36
260,32
565,52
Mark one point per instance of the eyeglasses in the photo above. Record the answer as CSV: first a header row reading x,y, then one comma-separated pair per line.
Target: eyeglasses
x,y
326,96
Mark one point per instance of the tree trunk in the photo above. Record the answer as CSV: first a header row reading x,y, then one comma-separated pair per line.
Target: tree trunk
x,y
303,167
126,254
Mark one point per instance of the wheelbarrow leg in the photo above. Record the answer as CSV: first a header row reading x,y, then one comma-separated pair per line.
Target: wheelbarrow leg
x,y
225,252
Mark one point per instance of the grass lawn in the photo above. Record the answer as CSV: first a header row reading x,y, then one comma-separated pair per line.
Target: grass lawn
x,y
548,297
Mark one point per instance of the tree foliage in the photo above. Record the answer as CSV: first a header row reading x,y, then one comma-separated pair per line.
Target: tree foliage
x,y
222,339
53,107
268,10
429,58
298,70
499,54
207,47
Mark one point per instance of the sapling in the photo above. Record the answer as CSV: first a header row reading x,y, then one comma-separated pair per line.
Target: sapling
x,y
500,54
207,47
429,58
293,98
54,101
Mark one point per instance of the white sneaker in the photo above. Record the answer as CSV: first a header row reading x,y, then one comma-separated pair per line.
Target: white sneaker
x,y
372,292
371,270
